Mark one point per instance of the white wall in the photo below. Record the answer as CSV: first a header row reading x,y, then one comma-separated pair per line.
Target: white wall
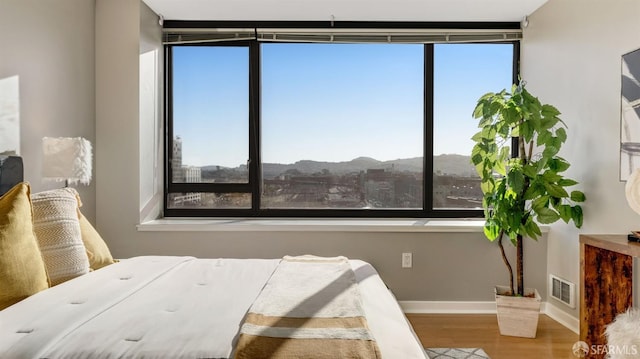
x,y
117,119
571,59
151,114
49,45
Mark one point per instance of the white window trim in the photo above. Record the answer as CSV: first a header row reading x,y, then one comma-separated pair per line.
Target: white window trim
x,y
387,225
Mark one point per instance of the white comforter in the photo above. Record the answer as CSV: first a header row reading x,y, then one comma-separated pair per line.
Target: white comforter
x,y
170,307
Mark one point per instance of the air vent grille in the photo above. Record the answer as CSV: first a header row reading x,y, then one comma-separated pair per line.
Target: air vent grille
x,y
562,290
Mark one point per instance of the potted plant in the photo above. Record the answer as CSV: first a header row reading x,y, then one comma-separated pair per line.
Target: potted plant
x,y
516,156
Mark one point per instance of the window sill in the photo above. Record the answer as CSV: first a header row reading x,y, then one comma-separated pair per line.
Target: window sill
x,y
314,225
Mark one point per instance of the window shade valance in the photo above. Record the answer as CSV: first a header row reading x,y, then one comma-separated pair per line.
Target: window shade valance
x,y
333,35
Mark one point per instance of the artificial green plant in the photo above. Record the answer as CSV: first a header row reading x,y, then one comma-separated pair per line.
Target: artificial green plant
x,y
516,156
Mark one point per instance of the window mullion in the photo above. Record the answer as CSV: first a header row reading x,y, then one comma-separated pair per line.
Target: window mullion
x,y
255,161
515,150
428,129
168,140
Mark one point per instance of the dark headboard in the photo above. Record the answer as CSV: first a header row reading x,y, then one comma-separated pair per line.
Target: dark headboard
x,y
11,172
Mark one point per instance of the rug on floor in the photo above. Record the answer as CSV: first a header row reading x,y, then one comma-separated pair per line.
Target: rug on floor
x,y
456,353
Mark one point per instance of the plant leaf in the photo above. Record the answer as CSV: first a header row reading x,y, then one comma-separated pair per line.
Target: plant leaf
x,y
548,122
532,228
543,137
547,215
578,196
491,230
535,189
476,158
539,203
558,164
551,176
500,167
477,111
566,182
561,134
556,190
565,212
550,150
577,216
530,170
549,111
477,137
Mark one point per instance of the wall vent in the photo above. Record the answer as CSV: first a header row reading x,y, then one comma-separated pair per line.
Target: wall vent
x,y
562,290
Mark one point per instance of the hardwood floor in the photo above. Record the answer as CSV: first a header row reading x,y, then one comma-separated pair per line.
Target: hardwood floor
x,y
553,340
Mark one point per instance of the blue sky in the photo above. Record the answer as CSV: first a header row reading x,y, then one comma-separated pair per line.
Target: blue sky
x,y
330,102
463,73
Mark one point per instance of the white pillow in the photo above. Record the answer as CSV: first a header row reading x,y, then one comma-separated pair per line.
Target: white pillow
x,y
57,229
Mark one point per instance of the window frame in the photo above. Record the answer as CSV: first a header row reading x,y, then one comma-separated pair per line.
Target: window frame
x,y
254,184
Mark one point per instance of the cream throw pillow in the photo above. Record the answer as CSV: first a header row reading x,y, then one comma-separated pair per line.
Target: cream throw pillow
x,y
57,228
22,271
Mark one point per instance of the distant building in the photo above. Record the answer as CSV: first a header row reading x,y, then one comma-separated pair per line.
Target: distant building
x,y
192,174
176,160
452,191
184,174
379,189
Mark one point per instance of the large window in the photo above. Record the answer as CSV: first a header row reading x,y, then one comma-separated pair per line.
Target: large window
x,y
342,126
327,129
462,73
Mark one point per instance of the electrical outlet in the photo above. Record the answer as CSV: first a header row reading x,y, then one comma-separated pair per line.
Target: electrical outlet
x,y
407,260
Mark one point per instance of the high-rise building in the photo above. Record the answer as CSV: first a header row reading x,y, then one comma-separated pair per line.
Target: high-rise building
x,y
176,160
183,174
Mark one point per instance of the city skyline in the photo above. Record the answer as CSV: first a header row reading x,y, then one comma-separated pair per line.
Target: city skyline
x,y
360,183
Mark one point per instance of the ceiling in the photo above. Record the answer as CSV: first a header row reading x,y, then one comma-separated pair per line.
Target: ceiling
x,y
346,10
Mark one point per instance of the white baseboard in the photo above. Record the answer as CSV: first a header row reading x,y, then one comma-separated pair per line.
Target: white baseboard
x,y
437,307
414,306
570,322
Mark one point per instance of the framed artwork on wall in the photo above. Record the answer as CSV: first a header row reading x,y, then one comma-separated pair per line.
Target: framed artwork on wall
x,y
630,115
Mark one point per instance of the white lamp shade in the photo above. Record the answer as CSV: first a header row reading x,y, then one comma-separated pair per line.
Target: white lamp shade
x,y
66,159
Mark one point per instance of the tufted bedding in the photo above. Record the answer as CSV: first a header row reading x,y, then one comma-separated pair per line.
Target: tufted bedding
x,y
171,307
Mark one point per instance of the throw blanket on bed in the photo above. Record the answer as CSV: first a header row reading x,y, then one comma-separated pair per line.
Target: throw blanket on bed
x,y
309,308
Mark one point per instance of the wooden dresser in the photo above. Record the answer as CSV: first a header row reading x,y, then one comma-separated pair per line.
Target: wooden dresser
x,y
606,284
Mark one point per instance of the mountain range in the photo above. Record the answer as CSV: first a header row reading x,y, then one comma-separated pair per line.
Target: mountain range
x,y
446,164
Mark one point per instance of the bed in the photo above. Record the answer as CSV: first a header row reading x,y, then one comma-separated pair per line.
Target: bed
x,y
62,295
171,307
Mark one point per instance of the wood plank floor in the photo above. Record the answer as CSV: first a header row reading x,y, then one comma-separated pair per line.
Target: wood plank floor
x,y
553,340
